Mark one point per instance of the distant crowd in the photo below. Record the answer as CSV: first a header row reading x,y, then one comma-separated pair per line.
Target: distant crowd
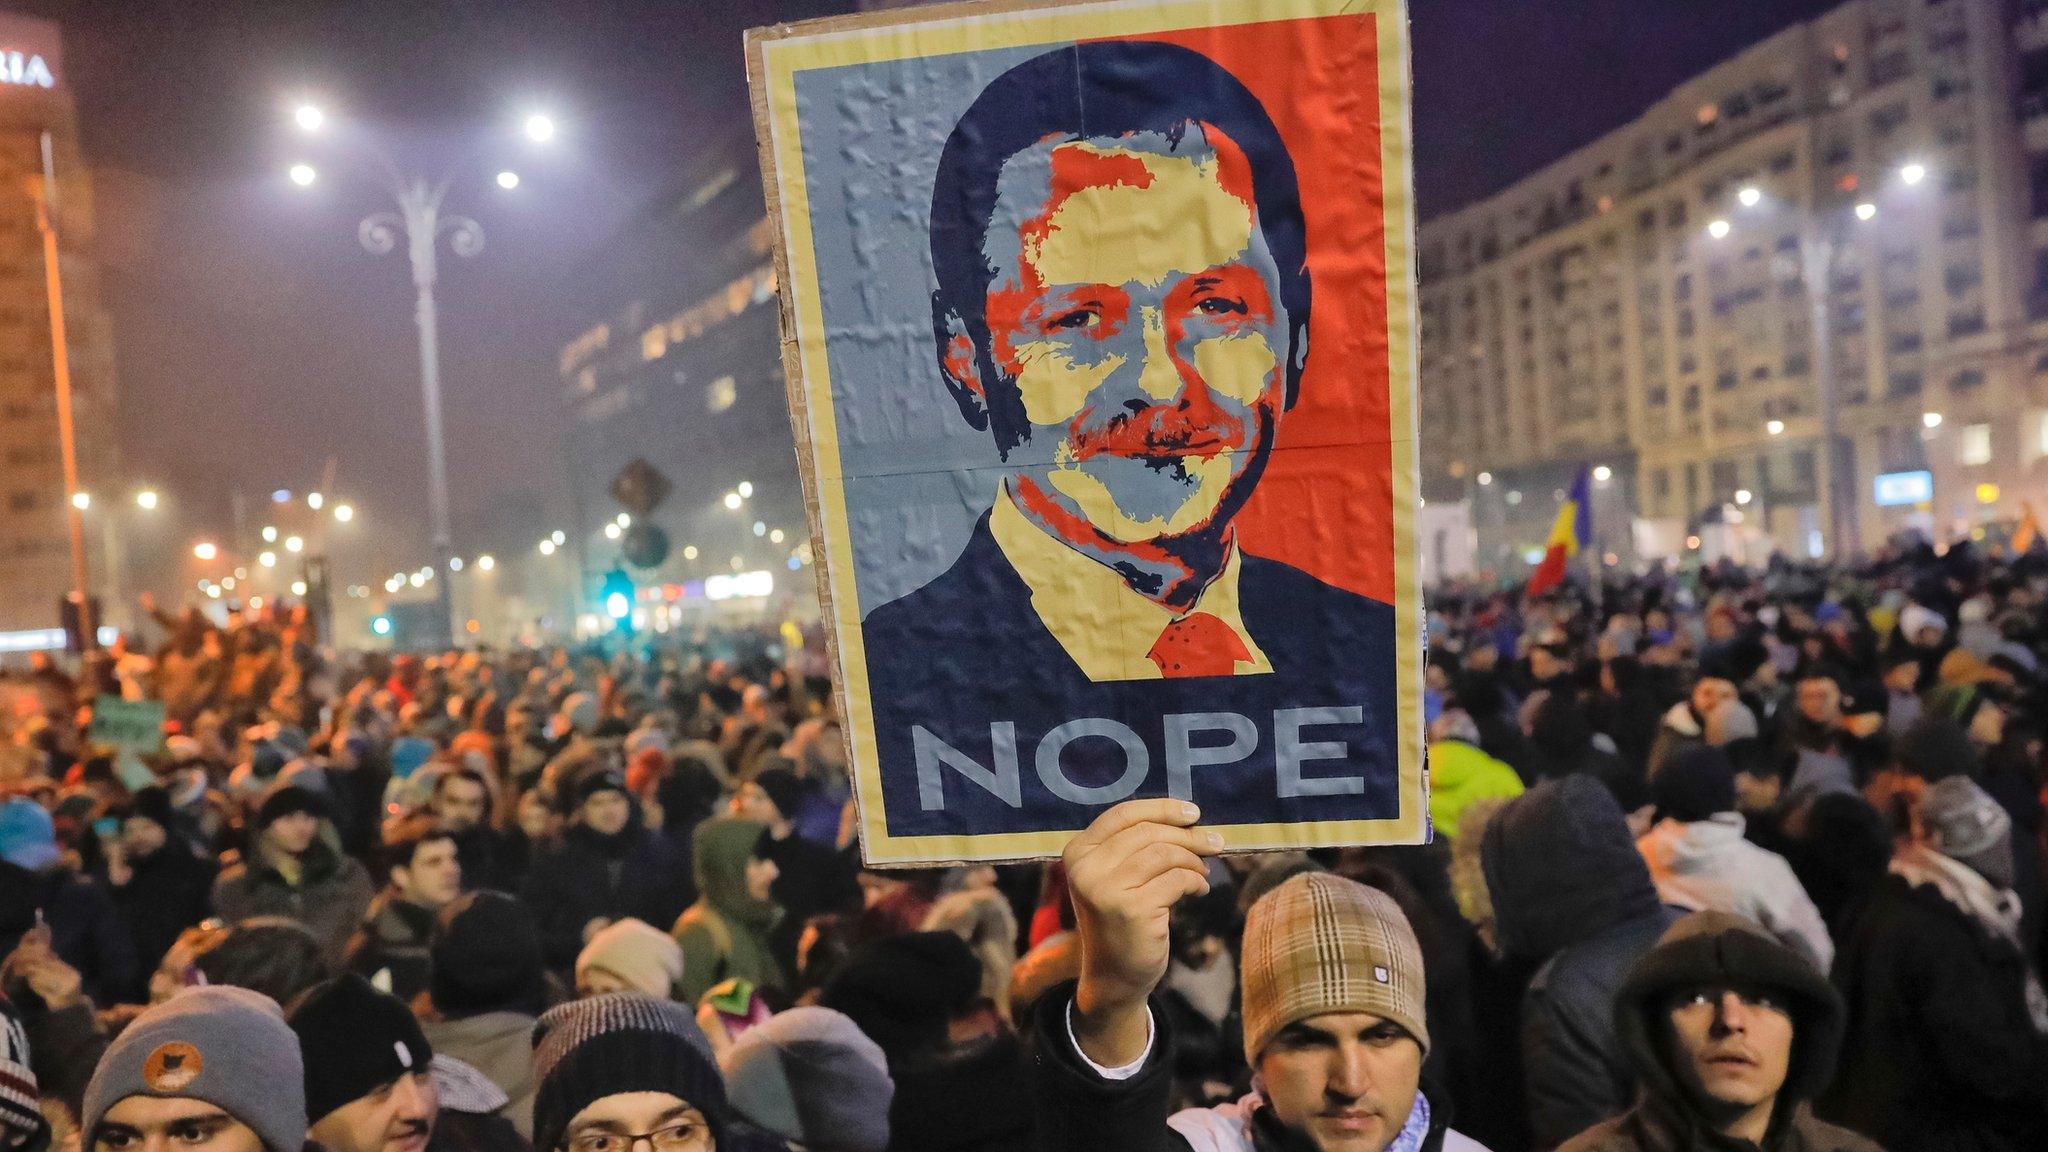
x,y
1739,859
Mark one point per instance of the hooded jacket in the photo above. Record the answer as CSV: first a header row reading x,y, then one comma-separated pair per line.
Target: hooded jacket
x,y
1571,893
329,896
586,876
1710,948
726,932
1460,773
1703,865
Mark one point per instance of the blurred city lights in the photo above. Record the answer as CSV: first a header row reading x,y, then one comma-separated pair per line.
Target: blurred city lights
x,y
732,501
1930,419
294,544
270,533
1749,197
775,536
267,559
344,513
381,625
508,180
746,489
303,175
547,547
1774,427
612,531
81,500
1603,473
760,529
1718,229
1866,210
539,128
1913,173
1485,478
486,562
298,587
1744,496
309,117
455,563
281,496
690,552
624,520
315,501
559,537
416,580
204,550
146,500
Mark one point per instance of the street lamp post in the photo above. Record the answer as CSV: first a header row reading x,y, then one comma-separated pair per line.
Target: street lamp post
x,y
420,219
1838,497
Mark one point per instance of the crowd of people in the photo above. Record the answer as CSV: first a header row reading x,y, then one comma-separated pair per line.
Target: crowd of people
x,y
1733,860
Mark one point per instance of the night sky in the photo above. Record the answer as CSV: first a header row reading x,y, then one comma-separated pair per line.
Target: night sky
x,y
256,340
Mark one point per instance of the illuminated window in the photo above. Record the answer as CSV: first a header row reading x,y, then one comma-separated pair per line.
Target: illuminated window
x,y
721,394
1973,447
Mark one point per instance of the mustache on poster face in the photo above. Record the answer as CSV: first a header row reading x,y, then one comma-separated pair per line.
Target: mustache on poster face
x,y
1156,432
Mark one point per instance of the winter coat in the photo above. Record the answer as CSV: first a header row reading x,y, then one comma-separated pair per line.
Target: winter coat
x,y
1571,893
1081,1111
584,876
1710,949
86,931
499,1045
472,1108
1707,864
810,879
1677,732
333,892
1460,773
393,943
169,892
725,934
1939,1053
488,861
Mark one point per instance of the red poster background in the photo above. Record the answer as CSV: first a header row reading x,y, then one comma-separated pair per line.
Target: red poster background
x,y
1326,502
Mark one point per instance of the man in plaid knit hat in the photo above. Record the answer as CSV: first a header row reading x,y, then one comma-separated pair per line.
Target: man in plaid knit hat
x,y
1332,983
22,1127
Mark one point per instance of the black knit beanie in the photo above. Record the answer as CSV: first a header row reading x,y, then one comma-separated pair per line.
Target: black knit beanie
x,y
1696,784
486,957
783,788
587,1050
903,990
286,799
355,1040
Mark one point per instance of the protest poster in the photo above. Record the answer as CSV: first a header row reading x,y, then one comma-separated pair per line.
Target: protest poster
x,y
1099,334
135,726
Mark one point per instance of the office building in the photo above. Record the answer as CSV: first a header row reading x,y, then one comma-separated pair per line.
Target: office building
x,y
35,543
1647,303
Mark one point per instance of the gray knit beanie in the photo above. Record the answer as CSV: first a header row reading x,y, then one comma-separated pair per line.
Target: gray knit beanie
x,y
227,1046
812,1077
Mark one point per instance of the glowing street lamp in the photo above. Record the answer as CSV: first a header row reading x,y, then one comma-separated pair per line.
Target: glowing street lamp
x,y
205,550
508,180
1749,197
294,544
344,512
746,489
315,501
308,117
539,128
81,500
547,547
1913,173
302,175
146,500
612,531
732,501
1718,229
1866,211
267,559
1774,427
486,562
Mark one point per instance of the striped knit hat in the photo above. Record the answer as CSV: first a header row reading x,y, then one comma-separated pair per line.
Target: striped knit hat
x,y
1320,943
20,1118
587,1050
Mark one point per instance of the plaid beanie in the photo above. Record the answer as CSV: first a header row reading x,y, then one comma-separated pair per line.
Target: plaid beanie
x,y
355,1040
587,1050
1320,943
19,1115
810,1076
227,1046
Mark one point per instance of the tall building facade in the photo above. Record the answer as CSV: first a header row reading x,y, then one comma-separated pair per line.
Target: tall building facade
x,y
1866,192
35,543
680,364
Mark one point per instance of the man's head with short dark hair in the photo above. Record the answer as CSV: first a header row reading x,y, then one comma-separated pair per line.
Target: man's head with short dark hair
x,y
418,855
1120,251
462,799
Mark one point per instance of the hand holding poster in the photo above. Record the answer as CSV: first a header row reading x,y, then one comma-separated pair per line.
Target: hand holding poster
x,y
1098,323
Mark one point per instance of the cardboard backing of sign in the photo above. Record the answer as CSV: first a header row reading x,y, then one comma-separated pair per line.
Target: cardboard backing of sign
x,y
1099,337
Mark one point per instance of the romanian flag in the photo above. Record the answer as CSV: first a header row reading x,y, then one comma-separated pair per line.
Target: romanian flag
x,y
1571,531
2023,537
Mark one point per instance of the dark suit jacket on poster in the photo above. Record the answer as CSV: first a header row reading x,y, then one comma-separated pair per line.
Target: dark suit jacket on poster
x,y
966,651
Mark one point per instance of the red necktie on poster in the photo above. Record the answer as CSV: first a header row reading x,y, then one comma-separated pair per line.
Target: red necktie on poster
x,y
1198,644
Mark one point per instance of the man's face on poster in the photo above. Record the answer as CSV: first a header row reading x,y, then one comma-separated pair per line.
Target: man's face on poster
x,y
1135,309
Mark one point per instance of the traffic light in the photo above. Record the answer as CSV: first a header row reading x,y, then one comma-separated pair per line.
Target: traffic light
x,y
617,597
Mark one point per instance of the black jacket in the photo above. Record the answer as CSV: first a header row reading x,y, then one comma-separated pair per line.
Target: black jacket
x,y
85,930
1939,1053
1079,1111
169,892
584,876
394,939
811,879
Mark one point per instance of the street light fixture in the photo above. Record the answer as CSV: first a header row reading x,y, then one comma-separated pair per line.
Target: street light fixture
x,y
1866,210
1930,419
508,180
303,175
81,500
612,531
344,513
746,489
1774,427
308,117
146,500
539,128
547,547
294,544
205,550
315,501
1718,229
267,559
1749,197
1913,173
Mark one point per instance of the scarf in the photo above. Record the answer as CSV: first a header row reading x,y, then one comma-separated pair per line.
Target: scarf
x,y
1995,909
